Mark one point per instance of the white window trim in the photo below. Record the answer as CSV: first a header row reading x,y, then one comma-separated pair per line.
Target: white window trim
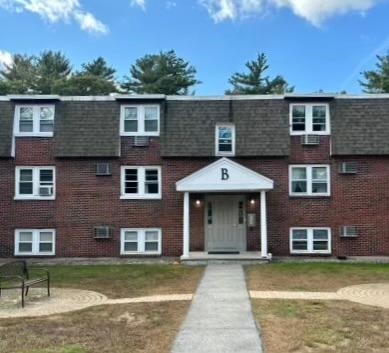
x,y
35,120
141,183
141,241
309,119
35,242
217,152
35,183
310,241
309,180
141,120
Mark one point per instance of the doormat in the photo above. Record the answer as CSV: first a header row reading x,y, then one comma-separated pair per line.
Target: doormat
x,y
223,252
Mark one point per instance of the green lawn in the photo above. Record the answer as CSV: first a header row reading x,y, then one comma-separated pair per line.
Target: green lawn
x,y
313,276
119,281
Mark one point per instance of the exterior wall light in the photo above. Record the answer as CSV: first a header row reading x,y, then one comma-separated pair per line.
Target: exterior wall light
x,y
252,202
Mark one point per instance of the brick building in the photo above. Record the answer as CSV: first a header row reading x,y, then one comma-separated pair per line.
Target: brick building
x,y
154,175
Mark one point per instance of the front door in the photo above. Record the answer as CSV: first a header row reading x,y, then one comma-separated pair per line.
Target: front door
x,y
225,223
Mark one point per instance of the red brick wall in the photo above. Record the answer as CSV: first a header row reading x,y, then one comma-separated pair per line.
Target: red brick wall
x,y
84,200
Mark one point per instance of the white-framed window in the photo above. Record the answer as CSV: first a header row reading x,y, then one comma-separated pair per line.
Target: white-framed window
x,y
34,120
310,240
35,242
309,180
313,118
34,183
141,182
146,241
139,120
225,140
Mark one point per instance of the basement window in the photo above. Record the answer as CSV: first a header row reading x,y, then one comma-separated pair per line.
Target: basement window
x,y
35,242
145,241
310,240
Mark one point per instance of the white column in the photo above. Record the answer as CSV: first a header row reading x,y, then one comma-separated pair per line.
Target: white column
x,y
186,225
263,225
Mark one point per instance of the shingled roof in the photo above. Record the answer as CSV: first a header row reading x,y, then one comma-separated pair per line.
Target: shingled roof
x,y
87,129
360,126
261,126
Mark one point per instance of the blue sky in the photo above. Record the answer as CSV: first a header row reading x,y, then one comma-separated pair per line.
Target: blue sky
x,y
314,44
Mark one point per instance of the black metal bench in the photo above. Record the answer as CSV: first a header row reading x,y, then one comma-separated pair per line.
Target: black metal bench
x,y
16,275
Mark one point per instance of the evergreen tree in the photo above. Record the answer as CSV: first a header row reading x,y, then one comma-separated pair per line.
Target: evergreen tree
x,y
163,73
255,81
377,81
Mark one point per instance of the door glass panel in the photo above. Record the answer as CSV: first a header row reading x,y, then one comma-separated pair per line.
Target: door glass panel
x,y
241,213
209,215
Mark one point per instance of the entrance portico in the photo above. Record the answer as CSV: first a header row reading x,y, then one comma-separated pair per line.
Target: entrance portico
x,y
224,184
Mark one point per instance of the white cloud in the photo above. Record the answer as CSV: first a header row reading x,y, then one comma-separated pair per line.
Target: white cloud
x,y
140,3
58,11
314,11
5,59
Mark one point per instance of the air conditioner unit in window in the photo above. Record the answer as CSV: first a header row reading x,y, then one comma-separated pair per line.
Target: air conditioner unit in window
x,y
349,168
45,191
103,232
348,231
141,141
310,140
103,169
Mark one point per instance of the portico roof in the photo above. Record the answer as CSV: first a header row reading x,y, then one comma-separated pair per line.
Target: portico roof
x,y
224,175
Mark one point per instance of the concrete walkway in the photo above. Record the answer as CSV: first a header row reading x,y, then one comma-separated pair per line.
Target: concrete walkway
x,y
220,319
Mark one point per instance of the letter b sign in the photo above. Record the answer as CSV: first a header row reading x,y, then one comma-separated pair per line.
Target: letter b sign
x,y
225,175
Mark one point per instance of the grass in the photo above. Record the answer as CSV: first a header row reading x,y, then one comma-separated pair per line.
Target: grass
x,y
135,328
322,327
313,276
122,281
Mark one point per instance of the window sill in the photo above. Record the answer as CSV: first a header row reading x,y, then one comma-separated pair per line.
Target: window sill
x,y
140,197
301,133
292,196
38,134
134,134
32,198
141,253
35,255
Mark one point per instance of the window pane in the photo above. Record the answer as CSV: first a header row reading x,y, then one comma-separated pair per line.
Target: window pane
x,y
299,173
47,113
151,113
151,125
25,236
319,111
225,147
320,245
300,234
151,246
298,118
46,126
46,176
131,246
299,186
26,126
45,247
26,175
319,188
131,113
25,247
131,236
320,234
131,181
131,126
225,133
25,188
300,245
151,236
26,113
151,183
319,173
46,237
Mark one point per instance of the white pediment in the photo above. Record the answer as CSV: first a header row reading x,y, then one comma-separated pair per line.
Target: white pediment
x,y
224,175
